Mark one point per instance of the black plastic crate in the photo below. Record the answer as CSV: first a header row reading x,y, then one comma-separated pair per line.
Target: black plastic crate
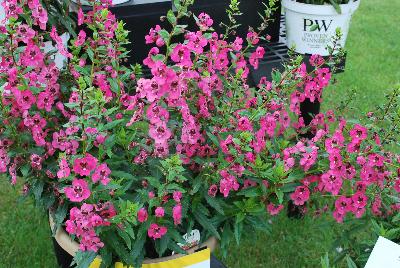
x,y
140,17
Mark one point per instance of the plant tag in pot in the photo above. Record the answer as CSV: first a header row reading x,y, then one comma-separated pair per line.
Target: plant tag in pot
x,y
192,240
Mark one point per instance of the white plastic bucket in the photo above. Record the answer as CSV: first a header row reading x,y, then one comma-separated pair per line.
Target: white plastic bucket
x,y
310,28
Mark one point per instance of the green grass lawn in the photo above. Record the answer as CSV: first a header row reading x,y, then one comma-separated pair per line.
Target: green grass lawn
x,y
372,68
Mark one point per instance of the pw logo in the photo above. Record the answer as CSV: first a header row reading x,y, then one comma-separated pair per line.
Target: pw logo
x,y
313,25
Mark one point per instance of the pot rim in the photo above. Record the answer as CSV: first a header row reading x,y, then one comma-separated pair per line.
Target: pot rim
x,y
312,9
72,247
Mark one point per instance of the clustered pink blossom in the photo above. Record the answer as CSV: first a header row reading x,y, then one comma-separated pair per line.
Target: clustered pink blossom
x,y
82,223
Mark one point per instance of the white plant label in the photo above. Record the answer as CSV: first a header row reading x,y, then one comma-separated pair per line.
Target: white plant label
x,y
192,239
386,254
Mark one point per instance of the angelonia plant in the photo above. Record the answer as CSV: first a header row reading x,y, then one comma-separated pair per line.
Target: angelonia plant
x,y
335,3
128,163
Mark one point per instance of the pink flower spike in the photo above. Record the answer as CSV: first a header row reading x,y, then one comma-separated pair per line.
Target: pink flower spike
x,y
64,171
177,195
142,215
177,214
159,212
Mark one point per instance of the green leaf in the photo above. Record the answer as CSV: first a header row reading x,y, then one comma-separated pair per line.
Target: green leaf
x,y
90,54
140,240
174,247
213,138
37,189
83,259
125,236
279,194
350,262
336,6
112,124
122,175
237,230
162,244
214,203
171,17
206,223
251,192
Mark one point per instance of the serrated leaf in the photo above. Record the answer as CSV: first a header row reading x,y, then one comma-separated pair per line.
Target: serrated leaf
x,y
213,138
350,262
214,203
83,259
206,223
237,230
125,236
162,244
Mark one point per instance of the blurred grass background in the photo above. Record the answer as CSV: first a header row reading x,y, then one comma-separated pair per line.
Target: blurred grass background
x,y
373,68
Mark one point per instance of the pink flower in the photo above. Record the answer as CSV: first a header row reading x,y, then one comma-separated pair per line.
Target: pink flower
x,y
142,215
359,200
45,101
80,40
237,44
332,182
196,42
4,160
316,60
151,195
252,38
156,232
32,56
343,204
159,132
190,133
154,37
78,192
358,133
159,212
25,99
338,216
64,171
101,174
300,195
83,166
227,183
212,191
156,113
204,21
177,195
81,17
396,185
274,209
11,9
256,56
181,54
375,160
335,160
25,33
244,124
59,42
308,159
177,214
